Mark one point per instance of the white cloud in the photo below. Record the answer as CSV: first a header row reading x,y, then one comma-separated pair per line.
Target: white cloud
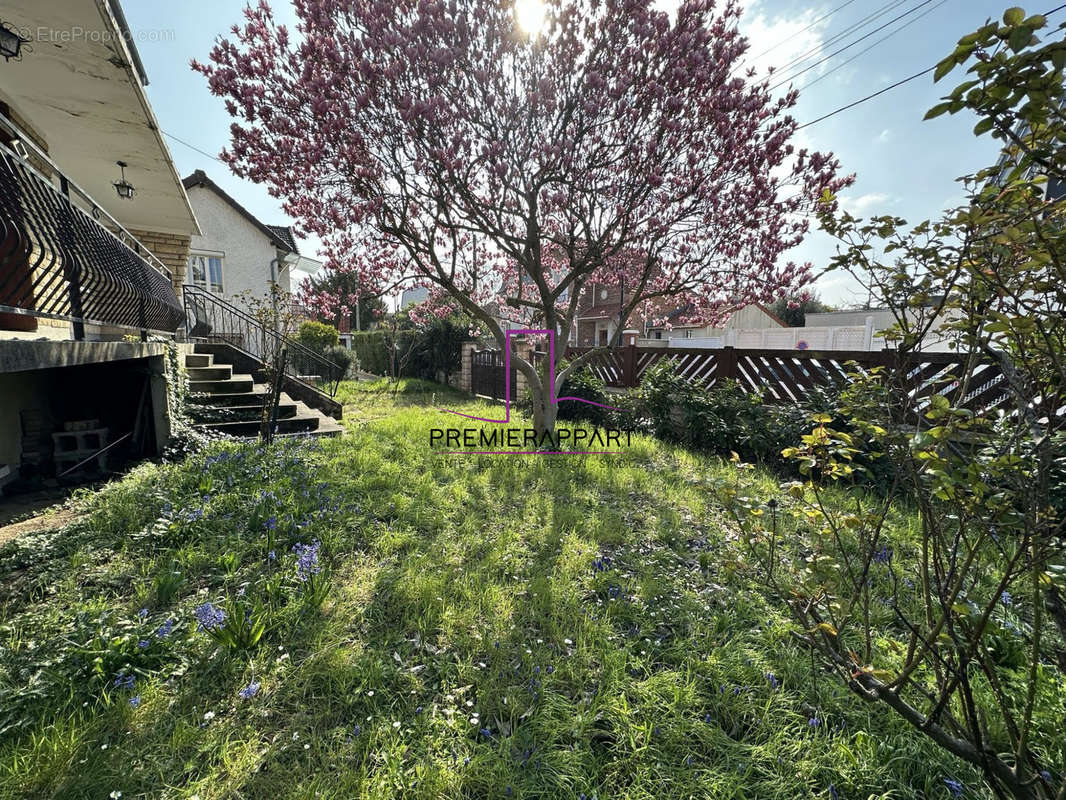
x,y
786,40
864,204
883,137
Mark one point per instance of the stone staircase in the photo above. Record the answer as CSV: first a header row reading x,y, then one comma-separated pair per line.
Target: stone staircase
x,y
233,404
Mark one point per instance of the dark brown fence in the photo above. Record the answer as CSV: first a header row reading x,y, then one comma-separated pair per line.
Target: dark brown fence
x,y
788,376
488,376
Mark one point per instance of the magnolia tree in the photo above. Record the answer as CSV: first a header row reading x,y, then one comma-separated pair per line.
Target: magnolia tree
x,y
509,166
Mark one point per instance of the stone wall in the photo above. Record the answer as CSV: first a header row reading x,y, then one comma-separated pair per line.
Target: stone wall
x,y
170,248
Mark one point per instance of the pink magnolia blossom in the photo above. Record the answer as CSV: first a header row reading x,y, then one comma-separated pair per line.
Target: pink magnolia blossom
x,y
434,141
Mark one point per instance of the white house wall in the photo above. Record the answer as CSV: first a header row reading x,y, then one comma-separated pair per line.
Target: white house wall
x,y
246,251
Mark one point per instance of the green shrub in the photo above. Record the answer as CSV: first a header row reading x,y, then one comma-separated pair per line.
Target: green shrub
x,y
585,385
342,357
369,348
722,420
318,336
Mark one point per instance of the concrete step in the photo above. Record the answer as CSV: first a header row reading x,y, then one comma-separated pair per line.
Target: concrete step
x,y
217,372
299,423
198,360
249,413
257,396
233,385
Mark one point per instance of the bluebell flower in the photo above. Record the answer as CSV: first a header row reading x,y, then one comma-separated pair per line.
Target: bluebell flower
x,y
549,669
164,630
356,730
707,718
883,555
954,787
195,515
1005,598
135,701
772,680
486,733
1045,775
814,722
209,617
307,560
123,681
250,691
833,792
143,643
142,613
418,709
271,556
271,523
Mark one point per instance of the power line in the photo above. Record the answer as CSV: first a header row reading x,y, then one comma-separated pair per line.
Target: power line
x,y
895,85
892,5
867,49
849,46
788,39
191,146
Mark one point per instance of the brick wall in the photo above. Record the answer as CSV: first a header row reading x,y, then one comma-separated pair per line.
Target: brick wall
x,y
170,248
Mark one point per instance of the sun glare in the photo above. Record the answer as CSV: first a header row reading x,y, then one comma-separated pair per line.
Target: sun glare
x,y
530,15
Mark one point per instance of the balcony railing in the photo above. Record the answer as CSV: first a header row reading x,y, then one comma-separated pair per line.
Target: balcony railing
x,y
63,257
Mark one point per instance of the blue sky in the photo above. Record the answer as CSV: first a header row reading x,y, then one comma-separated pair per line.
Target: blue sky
x,y
904,166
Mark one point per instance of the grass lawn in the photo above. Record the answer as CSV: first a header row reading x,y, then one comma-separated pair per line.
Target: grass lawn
x,y
482,627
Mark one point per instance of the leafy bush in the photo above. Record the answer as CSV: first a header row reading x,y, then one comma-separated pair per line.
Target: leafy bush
x,y
722,420
340,356
318,336
369,349
435,350
585,385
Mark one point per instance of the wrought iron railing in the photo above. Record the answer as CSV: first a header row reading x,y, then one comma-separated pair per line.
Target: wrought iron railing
x,y
63,257
209,318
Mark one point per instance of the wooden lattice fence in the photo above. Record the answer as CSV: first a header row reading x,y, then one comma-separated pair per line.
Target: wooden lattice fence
x,y
784,376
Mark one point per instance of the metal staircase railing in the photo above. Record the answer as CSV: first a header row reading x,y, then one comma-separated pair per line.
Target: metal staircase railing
x,y
209,318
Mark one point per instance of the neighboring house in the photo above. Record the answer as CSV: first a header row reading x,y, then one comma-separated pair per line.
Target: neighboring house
x,y
412,297
237,255
749,318
92,252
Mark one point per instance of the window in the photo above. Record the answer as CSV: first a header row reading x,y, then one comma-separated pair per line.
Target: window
x,y
205,271
688,333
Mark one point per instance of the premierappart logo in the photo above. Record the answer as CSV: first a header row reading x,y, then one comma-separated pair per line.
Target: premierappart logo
x,y
526,441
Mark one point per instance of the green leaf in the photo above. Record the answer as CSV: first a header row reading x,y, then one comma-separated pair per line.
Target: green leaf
x,y
1020,38
943,68
937,110
1013,16
983,127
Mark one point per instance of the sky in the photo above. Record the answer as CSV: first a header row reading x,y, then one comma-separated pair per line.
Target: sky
x,y
903,166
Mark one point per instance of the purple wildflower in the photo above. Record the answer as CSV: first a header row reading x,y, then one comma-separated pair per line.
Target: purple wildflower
x,y
123,681
209,617
1005,598
883,555
142,613
307,560
135,701
954,787
250,691
164,630
772,680
143,644
814,722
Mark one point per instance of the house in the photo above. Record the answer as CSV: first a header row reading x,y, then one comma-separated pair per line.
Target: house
x,y
95,234
598,313
236,256
412,297
752,318
95,229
